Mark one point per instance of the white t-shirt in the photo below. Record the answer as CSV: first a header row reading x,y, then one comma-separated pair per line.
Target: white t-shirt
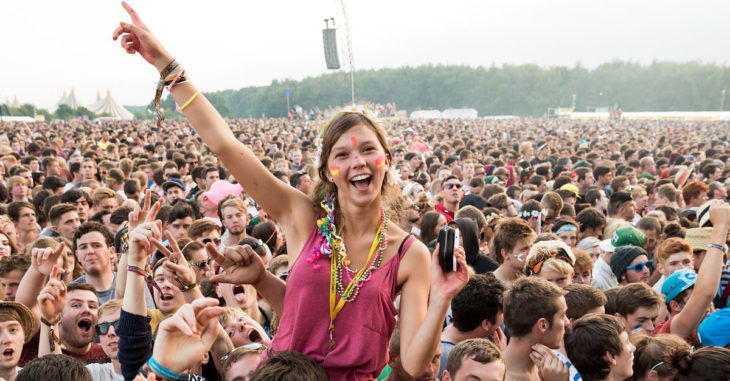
x,y
104,372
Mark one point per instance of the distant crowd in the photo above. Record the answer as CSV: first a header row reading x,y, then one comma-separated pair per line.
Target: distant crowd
x,y
595,250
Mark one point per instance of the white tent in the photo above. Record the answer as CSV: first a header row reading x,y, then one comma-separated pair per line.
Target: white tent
x,y
108,105
69,100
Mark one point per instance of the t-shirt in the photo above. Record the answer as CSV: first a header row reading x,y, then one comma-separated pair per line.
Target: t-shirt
x,y
104,295
666,327
449,214
446,347
94,355
104,372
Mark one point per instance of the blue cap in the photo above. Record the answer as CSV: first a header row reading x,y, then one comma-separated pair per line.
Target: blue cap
x,y
678,282
173,183
713,330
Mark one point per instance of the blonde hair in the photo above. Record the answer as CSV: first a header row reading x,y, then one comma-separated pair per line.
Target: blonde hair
x,y
555,264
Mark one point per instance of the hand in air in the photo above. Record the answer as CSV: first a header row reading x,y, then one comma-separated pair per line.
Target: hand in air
x,y
184,338
176,269
45,259
240,264
52,298
137,38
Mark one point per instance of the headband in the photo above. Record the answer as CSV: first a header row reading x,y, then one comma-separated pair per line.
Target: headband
x,y
528,214
567,228
536,262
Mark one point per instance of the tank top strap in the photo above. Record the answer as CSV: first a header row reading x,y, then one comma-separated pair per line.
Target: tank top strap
x,y
405,245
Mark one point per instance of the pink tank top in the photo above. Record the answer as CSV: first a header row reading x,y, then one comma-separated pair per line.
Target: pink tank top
x,y
362,328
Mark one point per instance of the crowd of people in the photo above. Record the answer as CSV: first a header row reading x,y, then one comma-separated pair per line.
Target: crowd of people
x,y
295,249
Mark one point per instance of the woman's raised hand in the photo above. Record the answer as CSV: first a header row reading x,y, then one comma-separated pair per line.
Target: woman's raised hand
x,y
137,38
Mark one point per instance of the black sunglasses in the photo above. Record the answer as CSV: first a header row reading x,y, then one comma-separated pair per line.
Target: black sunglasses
x,y
103,328
452,185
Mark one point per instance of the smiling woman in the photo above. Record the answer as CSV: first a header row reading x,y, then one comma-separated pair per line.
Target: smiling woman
x,y
341,295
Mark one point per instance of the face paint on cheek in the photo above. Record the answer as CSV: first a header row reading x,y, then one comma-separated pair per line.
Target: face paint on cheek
x,y
380,161
335,170
354,141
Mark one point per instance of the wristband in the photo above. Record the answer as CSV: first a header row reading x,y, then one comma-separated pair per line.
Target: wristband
x,y
52,338
716,246
187,287
162,371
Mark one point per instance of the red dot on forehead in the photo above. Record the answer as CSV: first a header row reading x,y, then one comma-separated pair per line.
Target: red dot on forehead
x,y
353,140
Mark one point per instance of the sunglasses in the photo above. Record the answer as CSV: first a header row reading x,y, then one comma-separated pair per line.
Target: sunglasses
x,y
103,328
202,264
216,241
640,266
452,186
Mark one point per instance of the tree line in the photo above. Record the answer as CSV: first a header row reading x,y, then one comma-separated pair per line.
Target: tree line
x,y
522,90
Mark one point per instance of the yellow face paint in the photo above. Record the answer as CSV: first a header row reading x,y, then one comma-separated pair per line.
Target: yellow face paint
x,y
335,170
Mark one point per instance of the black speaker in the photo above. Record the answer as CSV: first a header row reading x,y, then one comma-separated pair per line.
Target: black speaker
x,y
329,37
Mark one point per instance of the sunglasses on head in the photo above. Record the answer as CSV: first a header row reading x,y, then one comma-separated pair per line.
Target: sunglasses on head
x,y
103,328
640,266
201,264
452,185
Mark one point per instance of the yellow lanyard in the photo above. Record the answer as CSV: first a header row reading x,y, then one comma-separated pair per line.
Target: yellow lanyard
x,y
334,310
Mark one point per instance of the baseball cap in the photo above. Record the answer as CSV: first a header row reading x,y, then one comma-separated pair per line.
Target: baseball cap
x,y
221,189
572,188
27,321
623,236
173,183
713,330
678,282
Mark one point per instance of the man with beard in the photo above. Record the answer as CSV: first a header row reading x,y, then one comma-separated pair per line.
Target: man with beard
x,y
535,315
234,219
94,246
16,327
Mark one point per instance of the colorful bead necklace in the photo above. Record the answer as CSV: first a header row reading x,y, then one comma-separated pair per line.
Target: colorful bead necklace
x,y
333,247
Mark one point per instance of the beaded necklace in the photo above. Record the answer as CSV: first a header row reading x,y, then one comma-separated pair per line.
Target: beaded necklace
x,y
333,247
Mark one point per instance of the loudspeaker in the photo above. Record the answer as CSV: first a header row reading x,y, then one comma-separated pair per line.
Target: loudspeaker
x,y
329,37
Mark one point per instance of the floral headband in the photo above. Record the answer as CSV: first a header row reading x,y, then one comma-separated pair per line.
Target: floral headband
x,y
536,262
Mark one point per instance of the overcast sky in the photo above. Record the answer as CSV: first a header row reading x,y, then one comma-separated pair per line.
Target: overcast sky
x,y
51,46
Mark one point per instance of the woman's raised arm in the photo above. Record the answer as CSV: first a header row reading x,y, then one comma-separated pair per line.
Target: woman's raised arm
x,y
280,200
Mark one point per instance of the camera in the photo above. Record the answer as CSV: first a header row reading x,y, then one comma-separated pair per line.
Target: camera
x,y
447,241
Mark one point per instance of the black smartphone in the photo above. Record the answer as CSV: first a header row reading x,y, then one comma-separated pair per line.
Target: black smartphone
x,y
448,240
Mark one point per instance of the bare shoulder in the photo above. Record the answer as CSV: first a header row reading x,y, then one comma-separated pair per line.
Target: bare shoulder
x,y
415,261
